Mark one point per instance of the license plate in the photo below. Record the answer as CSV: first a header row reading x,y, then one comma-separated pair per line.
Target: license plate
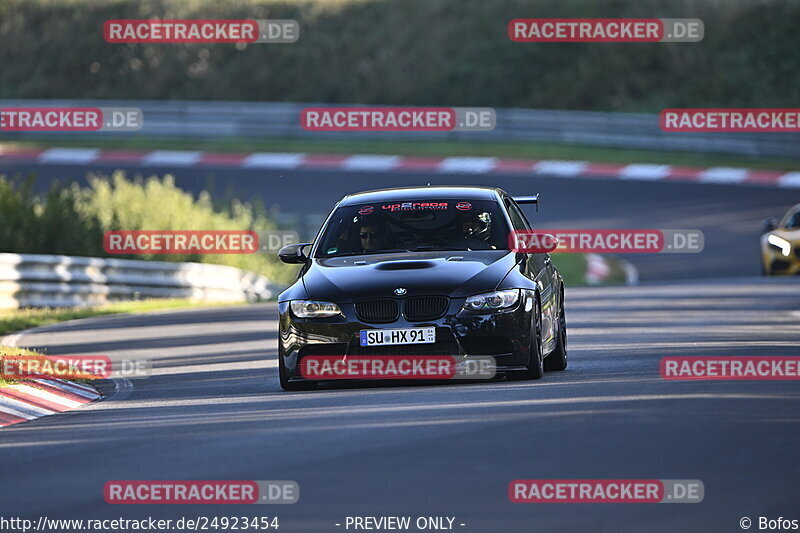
x,y
388,337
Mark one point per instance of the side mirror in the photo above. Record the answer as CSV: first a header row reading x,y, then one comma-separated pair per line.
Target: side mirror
x,y
770,224
293,253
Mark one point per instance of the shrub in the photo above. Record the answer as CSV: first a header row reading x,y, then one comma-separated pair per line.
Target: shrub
x,y
408,52
71,221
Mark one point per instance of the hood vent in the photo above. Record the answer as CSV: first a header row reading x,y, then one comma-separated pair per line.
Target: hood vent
x,y
404,265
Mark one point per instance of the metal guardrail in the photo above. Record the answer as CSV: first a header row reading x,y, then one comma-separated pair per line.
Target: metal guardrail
x,y
28,280
194,119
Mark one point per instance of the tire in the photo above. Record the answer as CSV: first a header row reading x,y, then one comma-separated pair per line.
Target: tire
x,y
292,385
557,360
535,366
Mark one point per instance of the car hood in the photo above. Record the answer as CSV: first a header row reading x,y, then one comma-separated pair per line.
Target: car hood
x,y
791,235
457,274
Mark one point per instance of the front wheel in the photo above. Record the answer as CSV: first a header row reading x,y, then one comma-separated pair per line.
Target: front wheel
x,y
292,385
557,360
535,366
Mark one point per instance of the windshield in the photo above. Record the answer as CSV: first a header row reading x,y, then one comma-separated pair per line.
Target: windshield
x,y
415,226
792,221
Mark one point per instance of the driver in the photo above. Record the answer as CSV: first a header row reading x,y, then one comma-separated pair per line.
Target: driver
x,y
370,235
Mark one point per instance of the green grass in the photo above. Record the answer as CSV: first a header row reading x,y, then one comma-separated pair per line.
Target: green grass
x,y
13,320
530,150
573,269
6,351
618,274
14,352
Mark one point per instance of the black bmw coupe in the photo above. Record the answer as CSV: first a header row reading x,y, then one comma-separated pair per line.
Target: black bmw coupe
x,y
423,271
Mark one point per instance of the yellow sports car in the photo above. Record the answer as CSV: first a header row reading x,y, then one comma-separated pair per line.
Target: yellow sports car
x,y
780,244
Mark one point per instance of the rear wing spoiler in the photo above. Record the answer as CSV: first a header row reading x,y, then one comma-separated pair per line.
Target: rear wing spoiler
x,y
528,200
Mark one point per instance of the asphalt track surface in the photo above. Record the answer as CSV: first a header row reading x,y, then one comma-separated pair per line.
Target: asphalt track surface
x,y
213,408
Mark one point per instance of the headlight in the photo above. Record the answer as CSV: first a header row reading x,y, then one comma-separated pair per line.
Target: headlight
x,y
313,309
782,244
492,301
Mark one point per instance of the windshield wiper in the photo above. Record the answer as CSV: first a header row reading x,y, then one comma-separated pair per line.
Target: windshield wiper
x,y
431,248
423,248
364,252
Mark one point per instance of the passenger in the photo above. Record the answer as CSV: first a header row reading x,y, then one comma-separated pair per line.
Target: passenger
x,y
475,232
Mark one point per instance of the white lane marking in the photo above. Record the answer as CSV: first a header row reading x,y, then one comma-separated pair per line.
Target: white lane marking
x,y
371,162
267,160
74,156
92,395
565,169
723,175
471,165
49,396
122,389
296,412
73,384
10,340
171,157
644,172
214,367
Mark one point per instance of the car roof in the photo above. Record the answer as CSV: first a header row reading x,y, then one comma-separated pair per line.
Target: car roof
x,y
407,194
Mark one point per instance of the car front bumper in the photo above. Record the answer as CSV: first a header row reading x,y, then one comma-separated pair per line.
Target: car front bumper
x,y
778,264
505,335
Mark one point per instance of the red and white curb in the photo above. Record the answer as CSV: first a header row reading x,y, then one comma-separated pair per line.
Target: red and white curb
x,y
36,398
393,163
41,397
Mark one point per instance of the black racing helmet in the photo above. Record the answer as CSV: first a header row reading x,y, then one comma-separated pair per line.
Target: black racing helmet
x,y
476,225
